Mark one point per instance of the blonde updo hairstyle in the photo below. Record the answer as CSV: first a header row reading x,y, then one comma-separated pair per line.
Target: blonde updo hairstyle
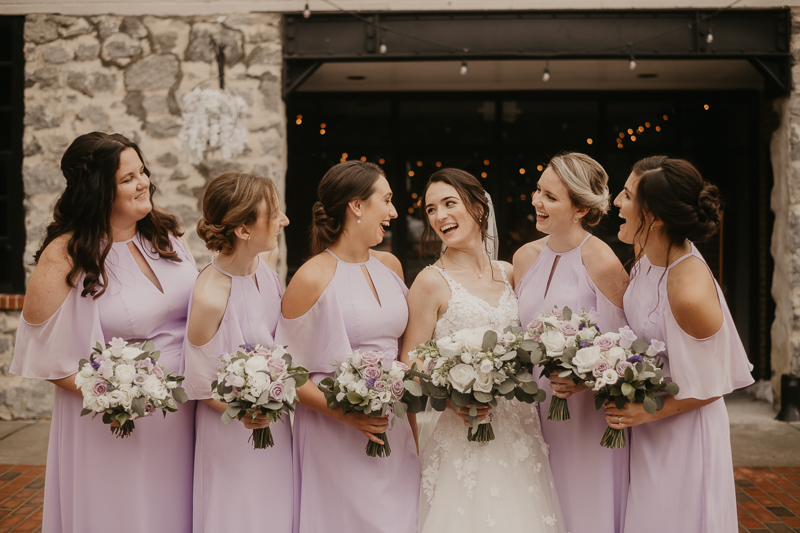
x,y
587,184
232,200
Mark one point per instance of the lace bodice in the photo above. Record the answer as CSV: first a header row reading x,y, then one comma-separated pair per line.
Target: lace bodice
x,y
464,310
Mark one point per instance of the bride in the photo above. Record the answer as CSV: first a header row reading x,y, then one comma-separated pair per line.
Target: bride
x,y
505,484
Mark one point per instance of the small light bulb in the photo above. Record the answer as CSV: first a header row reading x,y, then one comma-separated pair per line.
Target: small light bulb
x,y
632,64
546,73
383,48
710,36
463,68
306,12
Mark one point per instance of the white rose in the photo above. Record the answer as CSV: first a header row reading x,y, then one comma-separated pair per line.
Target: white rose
x,y
256,391
290,390
126,398
237,367
586,358
346,378
483,382
87,371
361,388
474,342
125,373
114,398
355,359
554,341
444,341
102,403
351,387
613,335
152,386
486,366
460,376
552,320
261,380
615,355
610,376
257,363
278,351
467,358
587,334
130,353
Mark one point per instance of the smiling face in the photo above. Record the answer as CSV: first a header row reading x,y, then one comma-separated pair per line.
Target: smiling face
x,y
449,215
630,230
376,212
132,202
554,208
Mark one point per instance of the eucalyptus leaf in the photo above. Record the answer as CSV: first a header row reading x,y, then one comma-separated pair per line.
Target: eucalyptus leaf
x,y
148,346
489,340
567,312
540,396
438,404
473,411
649,406
619,401
628,391
413,387
672,388
506,387
354,398
138,404
482,397
639,346
179,395
459,399
659,402
85,412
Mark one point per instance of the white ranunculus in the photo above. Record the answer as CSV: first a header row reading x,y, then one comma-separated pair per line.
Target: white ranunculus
x,y
124,373
257,363
554,341
152,387
444,341
472,339
610,376
460,376
615,355
256,391
261,380
586,358
351,387
486,366
483,382
587,334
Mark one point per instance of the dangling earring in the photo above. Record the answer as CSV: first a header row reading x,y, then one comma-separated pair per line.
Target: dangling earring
x,y
358,221
575,219
652,226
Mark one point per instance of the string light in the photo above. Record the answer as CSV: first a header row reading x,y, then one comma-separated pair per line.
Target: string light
x,y
705,107
633,138
641,129
539,168
666,117
632,64
438,164
322,132
522,171
589,141
630,131
522,197
486,162
546,73
646,124
658,128
463,68
411,210
411,173
414,195
363,158
306,12
484,174
419,163
381,161
710,36
344,155
382,49
322,125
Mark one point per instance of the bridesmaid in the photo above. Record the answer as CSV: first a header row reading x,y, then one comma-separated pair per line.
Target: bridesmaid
x,y
681,464
236,301
346,298
571,267
111,265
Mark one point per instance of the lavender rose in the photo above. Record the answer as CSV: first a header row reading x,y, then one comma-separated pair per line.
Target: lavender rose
x,y
371,358
599,368
100,387
158,372
398,389
568,328
622,366
535,323
604,343
276,365
372,372
379,385
149,408
277,391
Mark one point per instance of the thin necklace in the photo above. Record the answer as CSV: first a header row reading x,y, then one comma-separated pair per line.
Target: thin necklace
x,y
479,273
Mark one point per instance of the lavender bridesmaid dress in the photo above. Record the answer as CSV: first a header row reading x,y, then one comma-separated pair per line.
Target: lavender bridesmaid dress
x,y
592,481
95,482
237,488
681,466
338,487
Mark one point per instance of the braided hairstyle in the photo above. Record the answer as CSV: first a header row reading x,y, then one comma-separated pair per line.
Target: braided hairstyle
x,y
232,200
342,184
83,211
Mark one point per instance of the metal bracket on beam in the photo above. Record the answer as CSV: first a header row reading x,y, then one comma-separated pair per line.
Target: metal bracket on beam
x,y
775,73
295,74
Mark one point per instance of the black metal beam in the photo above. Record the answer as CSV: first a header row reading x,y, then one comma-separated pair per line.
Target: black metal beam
x,y
757,35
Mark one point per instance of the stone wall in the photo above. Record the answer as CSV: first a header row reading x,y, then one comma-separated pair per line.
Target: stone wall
x,y
127,75
785,155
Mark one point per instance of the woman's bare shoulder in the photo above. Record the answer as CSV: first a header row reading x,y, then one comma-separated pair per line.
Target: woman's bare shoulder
x,y
308,284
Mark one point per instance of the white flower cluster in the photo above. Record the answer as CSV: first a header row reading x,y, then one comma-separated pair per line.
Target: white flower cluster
x,y
377,378
212,118
256,376
462,363
116,376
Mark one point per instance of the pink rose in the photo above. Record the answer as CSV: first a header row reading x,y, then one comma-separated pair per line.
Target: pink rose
x,y
371,358
536,322
568,328
379,385
276,365
372,372
277,391
100,387
398,389
401,365
599,368
559,313
604,343
158,371
622,366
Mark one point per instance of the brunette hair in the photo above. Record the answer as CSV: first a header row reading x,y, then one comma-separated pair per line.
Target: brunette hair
x,y
472,194
232,200
343,183
84,210
587,184
673,191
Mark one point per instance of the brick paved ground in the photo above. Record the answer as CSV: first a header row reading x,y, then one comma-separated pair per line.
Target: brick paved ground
x,y
769,499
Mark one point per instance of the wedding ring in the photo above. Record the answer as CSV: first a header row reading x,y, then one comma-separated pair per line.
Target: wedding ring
x,y
619,421
490,416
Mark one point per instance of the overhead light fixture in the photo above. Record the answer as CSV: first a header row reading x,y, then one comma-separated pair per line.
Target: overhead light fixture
x,y
463,68
632,64
306,12
546,73
382,49
710,36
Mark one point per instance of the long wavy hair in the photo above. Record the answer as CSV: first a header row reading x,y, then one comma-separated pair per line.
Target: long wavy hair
x,y
83,211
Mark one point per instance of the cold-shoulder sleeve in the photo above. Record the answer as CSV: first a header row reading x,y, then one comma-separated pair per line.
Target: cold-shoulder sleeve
x,y
201,362
318,339
707,368
53,348
611,317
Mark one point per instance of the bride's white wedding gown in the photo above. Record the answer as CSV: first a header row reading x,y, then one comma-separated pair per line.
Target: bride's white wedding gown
x,y
502,485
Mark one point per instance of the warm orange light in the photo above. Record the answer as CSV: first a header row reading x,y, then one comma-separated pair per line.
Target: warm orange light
x,y
419,163
522,197
630,131
621,135
299,117
509,199
414,195
666,117
411,210
641,129
438,164
342,160
619,145
633,138
298,121
486,162
411,173
705,107
484,174
589,141
363,158
646,124
539,168
522,171
658,128
381,161
322,132
344,155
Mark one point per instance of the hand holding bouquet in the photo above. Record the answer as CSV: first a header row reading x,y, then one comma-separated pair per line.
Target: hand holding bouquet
x,y
473,367
257,381
559,334
125,382
376,384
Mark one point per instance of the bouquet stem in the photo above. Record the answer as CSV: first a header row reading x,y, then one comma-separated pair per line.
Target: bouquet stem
x,y
262,438
485,433
613,438
124,430
379,450
559,410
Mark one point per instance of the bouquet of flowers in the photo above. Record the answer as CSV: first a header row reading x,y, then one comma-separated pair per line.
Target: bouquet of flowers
x,y
558,335
257,381
373,383
125,382
474,367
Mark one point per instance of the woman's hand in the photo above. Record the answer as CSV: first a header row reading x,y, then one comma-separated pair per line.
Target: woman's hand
x,y
631,414
463,413
255,422
367,425
564,388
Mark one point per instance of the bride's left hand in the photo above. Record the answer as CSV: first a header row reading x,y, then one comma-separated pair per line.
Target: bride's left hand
x,y
631,414
564,388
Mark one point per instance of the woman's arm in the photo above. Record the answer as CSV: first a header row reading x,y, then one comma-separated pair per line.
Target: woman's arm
x,y
633,414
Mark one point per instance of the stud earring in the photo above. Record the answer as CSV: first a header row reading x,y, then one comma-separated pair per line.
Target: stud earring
x,y
652,226
358,221
575,219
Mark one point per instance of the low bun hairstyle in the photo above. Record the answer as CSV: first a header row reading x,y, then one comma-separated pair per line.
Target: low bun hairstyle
x,y
343,183
232,200
673,191
587,184
472,194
